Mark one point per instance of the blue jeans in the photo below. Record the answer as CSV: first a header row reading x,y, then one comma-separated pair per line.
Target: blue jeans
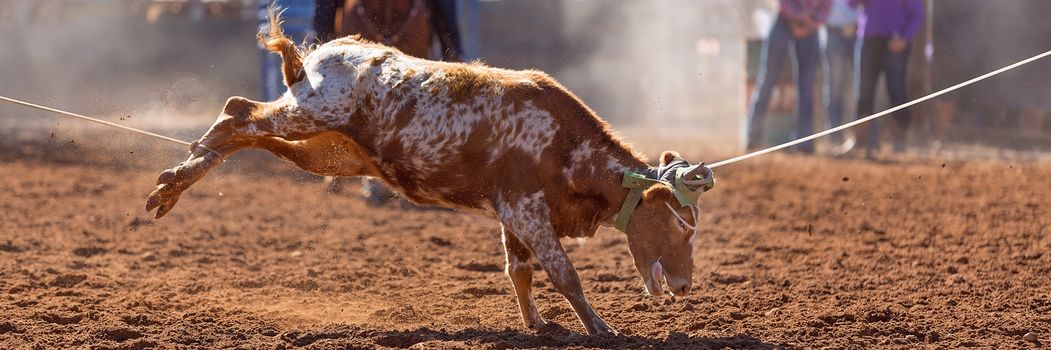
x,y
876,59
469,13
771,60
839,64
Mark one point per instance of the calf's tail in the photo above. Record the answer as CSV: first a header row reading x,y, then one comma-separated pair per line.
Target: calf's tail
x,y
274,40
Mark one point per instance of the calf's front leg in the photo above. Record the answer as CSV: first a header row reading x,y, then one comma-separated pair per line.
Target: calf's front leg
x,y
521,272
528,218
564,277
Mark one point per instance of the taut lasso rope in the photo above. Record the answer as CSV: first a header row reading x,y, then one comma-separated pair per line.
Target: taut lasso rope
x,y
107,123
712,166
880,114
90,119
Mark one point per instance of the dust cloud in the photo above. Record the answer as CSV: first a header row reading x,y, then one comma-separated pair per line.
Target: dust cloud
x,y
104,58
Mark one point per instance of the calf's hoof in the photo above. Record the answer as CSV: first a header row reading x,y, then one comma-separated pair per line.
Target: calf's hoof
x,y
607,331
537,325
163,198
172,182
601,328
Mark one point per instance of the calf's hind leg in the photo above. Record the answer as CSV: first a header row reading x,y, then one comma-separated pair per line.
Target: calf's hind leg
x,y
521,272
328,153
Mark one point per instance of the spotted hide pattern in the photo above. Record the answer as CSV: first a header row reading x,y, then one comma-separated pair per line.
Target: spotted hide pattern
x,y
513,145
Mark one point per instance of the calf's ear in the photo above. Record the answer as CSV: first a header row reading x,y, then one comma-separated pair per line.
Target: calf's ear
x,y
657,193
669,156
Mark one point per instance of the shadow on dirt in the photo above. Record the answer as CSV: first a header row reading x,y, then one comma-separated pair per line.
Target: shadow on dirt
x,y
561,337
554,336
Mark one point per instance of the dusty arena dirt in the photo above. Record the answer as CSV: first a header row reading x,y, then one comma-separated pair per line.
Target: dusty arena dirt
x,y
796,252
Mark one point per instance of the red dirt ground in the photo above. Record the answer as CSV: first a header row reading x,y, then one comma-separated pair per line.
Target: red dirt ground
x,y
795,253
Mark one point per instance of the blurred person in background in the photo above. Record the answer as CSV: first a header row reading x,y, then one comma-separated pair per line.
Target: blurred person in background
x,y
840,32
396,23
297,22
885,29
795,28
331,21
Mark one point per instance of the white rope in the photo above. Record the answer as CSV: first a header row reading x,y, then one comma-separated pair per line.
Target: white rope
x,y
90,119
880,114
107,123
682,220
712,166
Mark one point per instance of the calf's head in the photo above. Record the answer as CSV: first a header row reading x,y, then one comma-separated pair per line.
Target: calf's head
x,y
661,233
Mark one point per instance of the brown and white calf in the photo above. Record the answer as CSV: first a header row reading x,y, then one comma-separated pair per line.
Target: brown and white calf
x,y
514,145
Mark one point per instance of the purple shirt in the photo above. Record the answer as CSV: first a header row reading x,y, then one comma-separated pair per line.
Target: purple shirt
x,y
889,18
815,10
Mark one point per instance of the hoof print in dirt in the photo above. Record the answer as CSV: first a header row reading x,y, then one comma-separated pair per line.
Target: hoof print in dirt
x,y
68,281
